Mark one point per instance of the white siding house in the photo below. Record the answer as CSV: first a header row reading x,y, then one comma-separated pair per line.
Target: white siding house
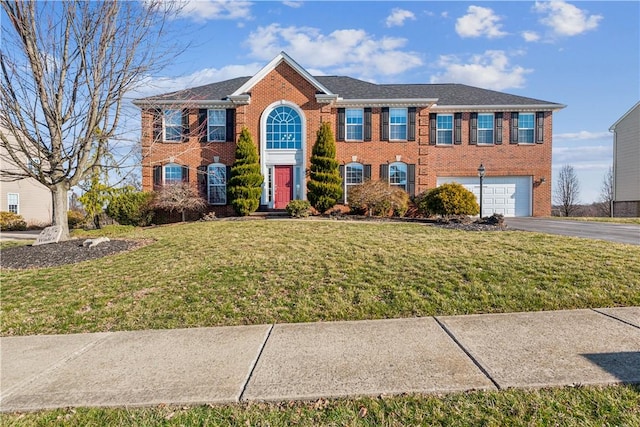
x,y
626,164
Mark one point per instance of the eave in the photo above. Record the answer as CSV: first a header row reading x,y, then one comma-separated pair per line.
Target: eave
x,y
492,108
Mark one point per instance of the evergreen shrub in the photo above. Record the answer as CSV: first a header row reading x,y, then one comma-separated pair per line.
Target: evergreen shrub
x,y
378,198
299,208
244,187
447,200
130,207
10,221
325,184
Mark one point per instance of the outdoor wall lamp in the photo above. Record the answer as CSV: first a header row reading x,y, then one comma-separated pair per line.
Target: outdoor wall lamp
x,y
481,172
543,180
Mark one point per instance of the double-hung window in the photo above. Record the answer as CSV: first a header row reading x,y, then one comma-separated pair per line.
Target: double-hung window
x,y
172,125
444,129
172,173
353,175
398,124
398,175
485,128
217,125
526,123
13,203
217,184
354,122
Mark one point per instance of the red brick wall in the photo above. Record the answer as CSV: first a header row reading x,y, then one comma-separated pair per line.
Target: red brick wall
x,y
284,83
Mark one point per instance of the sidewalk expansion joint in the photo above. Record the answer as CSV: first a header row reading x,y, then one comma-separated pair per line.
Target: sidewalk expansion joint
x,y
615,318
468,353
255,363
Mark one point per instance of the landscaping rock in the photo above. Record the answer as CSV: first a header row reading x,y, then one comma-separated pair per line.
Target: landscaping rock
x,y
90,243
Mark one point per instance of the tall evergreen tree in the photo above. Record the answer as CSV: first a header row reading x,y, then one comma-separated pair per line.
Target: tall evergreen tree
x,y
325,185
245,184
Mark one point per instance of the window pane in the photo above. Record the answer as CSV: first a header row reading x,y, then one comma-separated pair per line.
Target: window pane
x,y
444,129
398,123
354,173
217,184
525,127
172,173
12,202
398,175
354,120
284,129
172,125
217,123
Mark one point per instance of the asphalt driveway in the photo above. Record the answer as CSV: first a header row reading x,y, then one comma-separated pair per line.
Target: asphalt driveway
x,y
620,233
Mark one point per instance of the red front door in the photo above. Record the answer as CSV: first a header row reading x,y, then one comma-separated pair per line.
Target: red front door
x,y
283,186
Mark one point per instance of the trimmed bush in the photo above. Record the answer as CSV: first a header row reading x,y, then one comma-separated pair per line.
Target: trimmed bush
x,y
325,184
447,200
130,207
378,198
299,208
245,184
10,221
75,219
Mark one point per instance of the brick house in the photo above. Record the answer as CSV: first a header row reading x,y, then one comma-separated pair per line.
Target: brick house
x,y
415,136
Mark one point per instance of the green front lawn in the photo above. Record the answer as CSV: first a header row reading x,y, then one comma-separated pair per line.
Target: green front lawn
x,y
273,271
581,406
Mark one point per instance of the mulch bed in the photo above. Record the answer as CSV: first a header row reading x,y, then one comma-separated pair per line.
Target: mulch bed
x,y
55,254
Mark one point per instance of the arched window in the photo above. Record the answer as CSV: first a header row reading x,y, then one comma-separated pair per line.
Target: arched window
x,y
284,129
172,173
398,175
353,175
217,184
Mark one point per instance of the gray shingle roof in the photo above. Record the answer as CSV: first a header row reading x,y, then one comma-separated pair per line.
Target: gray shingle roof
x,y
350,88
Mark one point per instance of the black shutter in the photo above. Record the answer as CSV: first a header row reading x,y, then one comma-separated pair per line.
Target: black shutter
x,y
367,172
341,124
384,172
202,181
539,127
231,125
227,177
457,128
473,129
341,170
157,125
514,128
384,124
367,124
411,124
432,128
411,179
157,177
185,125
185,173
203,126
498,128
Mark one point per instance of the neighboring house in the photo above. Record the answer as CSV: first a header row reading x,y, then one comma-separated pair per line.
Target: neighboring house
x,y
415,136
26,196
626,164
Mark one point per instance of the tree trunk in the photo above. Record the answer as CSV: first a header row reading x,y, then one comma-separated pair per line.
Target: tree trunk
x,y
60,208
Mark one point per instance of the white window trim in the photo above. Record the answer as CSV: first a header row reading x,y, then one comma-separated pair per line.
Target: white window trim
x,y
224,125
406,171
406,124
533,139
346,184
347,125
438,129
17,204
164,174
226,178
492,129
164,126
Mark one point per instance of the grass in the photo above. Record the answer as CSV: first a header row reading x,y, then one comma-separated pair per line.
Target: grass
x,y
616,220
569,406
256,272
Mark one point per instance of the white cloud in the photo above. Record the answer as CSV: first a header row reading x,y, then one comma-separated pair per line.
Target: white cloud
x,y
479,21
530,36
565,19
490,70
398,16
204,10
349,51
582,135
293,3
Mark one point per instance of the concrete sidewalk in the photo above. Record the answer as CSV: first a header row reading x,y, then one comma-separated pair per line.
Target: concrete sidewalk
x,y
313,360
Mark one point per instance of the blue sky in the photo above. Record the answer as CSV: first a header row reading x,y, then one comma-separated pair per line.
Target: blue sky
x,y
585,55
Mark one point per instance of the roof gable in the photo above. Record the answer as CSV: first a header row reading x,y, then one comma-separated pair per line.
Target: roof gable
x,y
281,57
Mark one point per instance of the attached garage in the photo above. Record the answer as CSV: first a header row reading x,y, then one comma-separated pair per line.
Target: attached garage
x,y
506,195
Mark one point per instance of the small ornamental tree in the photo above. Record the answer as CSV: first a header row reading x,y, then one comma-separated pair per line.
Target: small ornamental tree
x,y
448,199
245,184
325,185
179,197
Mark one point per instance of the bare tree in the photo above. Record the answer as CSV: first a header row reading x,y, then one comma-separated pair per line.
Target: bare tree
x,y
605,201
567,191
66,68
179,197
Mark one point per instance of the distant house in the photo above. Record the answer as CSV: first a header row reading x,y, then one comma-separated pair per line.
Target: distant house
x,y
414,136
25,196
626,164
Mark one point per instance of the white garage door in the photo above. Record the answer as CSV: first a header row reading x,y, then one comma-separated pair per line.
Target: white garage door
x,y
506,195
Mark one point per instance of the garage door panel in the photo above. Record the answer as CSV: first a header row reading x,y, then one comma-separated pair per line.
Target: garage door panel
x,y
509,195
